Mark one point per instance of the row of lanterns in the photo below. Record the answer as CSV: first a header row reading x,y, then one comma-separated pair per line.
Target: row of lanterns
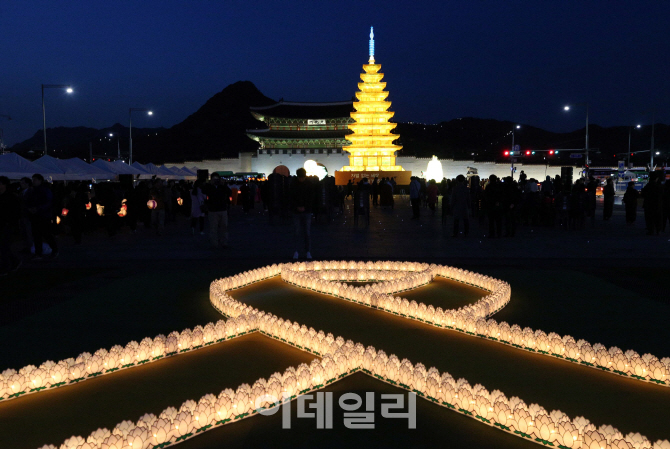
x,y
338,359
380,293
31,379
471,319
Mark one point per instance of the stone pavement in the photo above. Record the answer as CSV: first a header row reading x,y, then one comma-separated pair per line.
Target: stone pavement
x,y
612,251
391,235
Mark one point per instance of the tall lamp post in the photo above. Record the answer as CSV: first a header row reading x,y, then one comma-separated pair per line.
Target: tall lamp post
x,y
118,145
68,89
651,149
130,117
511,157
586,149
630,131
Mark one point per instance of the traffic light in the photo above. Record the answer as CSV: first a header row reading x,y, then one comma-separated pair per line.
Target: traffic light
x,y
506,153
551,152
532,152
556,152
527,152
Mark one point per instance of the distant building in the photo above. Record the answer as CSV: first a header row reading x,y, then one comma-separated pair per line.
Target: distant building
x,y
302,128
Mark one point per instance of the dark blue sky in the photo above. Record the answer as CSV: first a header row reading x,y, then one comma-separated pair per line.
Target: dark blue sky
x,y
509,60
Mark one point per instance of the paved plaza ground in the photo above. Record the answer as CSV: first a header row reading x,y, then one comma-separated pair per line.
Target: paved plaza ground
x,y
606,283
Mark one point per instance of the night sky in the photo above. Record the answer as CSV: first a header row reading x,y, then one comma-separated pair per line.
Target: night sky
x,y
510,60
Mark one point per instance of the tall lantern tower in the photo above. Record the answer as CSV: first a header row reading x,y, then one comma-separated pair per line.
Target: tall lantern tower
x,y
372,152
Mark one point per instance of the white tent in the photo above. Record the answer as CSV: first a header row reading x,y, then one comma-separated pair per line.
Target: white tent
x,y
146,174
50,165
106,167
84,170
181,172
68,169
126,169
150,168
160,172
15,167
193,172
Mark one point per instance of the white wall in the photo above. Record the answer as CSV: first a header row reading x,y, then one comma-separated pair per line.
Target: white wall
x,y
265,163
452,168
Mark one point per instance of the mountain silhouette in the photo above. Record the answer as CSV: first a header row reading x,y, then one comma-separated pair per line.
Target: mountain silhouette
x,y
217,130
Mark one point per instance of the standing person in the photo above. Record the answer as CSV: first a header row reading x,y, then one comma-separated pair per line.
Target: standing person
x,y
666,204
10,213
493,201
245,195
460,205
198,208
630,200
415,197
608,194
157,193
302,198
77,211
652,204
445,190
432,193
25,228
169,201
592,188
350,189
510,199
423,193
218,203
375,192
40,207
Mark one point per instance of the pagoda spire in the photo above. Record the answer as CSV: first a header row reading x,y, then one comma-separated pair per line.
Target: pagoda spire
x,y
372,147
372,47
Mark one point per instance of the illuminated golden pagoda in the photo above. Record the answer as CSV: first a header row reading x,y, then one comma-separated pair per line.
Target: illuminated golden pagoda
x,y
372,149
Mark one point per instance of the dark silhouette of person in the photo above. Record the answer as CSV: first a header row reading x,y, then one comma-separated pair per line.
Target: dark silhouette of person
x,y
494,206
460,205
630,201
652,195
608,195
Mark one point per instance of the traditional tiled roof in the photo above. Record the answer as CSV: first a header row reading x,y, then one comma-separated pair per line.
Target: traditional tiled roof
x,y
307,134
314,111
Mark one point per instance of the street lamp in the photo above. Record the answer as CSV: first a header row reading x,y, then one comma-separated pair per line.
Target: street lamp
x,y
118,145
651,149
630,130
130,117
567,108
68,89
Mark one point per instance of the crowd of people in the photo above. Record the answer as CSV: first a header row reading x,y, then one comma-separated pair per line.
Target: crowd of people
x,y
505,203
34,210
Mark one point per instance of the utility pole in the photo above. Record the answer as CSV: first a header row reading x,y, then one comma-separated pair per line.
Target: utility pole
x,y
651,150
